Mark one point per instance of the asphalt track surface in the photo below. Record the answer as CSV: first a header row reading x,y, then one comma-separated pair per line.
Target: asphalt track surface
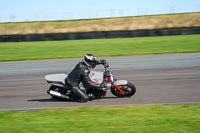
x,y
159,79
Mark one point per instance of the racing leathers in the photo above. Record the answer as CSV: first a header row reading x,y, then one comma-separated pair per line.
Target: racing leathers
x,y
78,74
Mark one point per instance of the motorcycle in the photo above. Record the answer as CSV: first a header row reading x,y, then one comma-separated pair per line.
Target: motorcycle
x,y
60,91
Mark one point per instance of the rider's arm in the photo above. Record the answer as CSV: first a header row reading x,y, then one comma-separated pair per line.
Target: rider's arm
x,y
103,62
85,74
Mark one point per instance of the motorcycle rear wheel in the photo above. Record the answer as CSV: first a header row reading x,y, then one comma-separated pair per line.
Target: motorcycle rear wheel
x,y
129,90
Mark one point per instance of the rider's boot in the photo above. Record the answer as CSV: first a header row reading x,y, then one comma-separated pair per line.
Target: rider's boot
x,y
91,96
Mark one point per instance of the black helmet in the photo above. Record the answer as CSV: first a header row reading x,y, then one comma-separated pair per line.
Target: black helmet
x,y
90,60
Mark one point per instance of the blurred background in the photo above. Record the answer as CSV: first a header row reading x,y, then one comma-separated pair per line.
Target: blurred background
x,y
64,16
21,11
92,13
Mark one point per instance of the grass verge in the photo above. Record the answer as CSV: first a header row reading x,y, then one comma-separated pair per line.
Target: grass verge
x,y
103,24
117,119
13,51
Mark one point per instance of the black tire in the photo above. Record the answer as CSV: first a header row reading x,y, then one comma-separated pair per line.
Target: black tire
x,y
129,90
58,89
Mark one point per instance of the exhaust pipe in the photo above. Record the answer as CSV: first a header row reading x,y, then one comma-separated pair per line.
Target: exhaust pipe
x,y
57,94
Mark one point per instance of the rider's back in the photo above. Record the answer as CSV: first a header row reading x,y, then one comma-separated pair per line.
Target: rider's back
x,y
75,76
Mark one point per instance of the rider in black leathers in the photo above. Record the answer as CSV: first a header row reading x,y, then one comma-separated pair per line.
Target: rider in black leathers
x,y
81,73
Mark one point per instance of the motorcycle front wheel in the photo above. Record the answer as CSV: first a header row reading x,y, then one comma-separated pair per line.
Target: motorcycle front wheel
x,y
129,90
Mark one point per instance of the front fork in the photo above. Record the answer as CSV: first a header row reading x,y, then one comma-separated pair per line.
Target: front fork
x,y
122,83
116,86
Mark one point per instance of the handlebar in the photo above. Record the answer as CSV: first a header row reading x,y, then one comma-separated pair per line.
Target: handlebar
x,y
106,66
104,63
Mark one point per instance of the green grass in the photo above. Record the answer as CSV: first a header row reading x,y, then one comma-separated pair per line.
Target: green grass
x,y
11,51
117,119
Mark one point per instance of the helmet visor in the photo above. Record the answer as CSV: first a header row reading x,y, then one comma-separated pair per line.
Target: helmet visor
x,y
93,64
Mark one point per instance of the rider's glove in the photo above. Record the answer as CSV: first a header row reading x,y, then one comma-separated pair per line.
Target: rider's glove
x,y
103,85
103,62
